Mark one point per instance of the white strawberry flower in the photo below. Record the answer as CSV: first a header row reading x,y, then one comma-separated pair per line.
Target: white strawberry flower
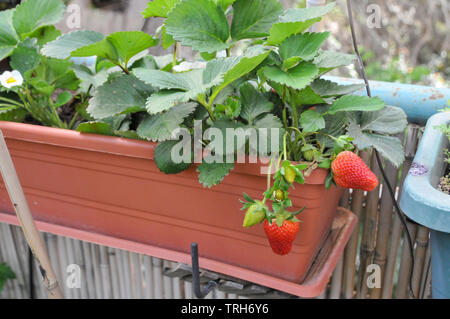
x,y
10,79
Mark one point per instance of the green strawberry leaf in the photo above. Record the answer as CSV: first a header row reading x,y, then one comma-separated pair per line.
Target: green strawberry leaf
x,y
304,46
159,8
295,21
63,46
124,94
253,19
163,158
237,68
297,78
312,121
175,87
63,98
26,56
46,34
224,4
118,47
8,36
390,120
211,174
349,103
390,147
160,127
199,24
253,103
329,60
31,15
101,128
326,88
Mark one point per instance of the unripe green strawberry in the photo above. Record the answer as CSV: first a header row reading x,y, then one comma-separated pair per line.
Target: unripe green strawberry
x,y
254,216
350,171
308,155
281,238
290,174
279,195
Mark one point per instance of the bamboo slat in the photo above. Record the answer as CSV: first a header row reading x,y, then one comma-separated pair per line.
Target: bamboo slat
x,y
401,291
368,240
351,252
384,226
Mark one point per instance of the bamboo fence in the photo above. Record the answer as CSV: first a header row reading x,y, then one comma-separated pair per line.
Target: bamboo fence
x,y
109,273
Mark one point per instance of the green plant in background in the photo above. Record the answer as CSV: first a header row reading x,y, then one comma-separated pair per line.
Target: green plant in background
x,y
394,71
5,274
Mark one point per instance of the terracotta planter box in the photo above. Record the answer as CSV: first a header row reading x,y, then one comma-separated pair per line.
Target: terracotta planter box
x,y
111,186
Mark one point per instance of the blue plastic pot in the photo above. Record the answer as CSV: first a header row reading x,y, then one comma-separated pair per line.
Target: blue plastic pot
x,y
423,203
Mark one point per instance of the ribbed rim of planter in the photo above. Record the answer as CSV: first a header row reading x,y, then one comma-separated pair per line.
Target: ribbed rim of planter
x,y
314,284
114,145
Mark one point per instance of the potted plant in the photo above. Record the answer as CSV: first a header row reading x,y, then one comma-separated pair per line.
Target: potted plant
x,y
262,127
426,199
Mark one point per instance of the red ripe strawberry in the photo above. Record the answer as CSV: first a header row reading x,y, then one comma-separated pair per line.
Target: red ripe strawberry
x,y
350,171
281,238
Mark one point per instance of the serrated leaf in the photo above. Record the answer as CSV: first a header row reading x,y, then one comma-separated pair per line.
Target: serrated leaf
x,y
119,46
328,60
265,146
8,36
160,127
297,78
63,46
191,83
253,103
390,120
295,21
328,88
199,24
31,15
245,64
306,96
349,103
123,94
312,121
159,8
165,80
390,147
53,72
163,158
305,46
26,56
211,174
88,78
282,30
253,19
46,34
166,39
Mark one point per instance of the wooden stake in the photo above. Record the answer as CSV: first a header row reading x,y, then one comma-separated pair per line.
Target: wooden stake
x,y
27,223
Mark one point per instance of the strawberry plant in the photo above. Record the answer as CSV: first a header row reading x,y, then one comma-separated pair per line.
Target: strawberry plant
x,y
257,91
38,85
